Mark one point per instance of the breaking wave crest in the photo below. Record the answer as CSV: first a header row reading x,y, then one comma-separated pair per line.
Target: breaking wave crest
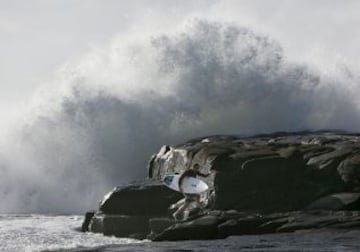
x,y
117,105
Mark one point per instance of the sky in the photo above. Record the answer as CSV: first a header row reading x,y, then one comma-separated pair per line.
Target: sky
x,y
39,36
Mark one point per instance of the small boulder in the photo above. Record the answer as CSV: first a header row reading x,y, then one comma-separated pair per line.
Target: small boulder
x,y
150,199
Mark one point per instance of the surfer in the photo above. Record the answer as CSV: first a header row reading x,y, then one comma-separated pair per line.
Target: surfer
x,y
189,197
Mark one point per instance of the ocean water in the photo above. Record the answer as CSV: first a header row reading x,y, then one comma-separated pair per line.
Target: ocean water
x,y
30,233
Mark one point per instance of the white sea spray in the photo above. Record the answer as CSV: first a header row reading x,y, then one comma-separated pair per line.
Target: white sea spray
x,y
104,115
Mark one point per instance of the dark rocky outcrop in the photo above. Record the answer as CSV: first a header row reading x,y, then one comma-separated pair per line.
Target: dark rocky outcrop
x,y
217,225
120,225
126,210
269,173
147,198
279,182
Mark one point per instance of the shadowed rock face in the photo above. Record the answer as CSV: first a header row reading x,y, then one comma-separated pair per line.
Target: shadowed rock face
x,y
127,210
142,199
269,173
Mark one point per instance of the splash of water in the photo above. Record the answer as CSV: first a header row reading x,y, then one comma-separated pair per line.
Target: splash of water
x,y
118,105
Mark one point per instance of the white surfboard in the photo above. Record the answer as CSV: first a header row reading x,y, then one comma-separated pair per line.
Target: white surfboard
x,y
189,184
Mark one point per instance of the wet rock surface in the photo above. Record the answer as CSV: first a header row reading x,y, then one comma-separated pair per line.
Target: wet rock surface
x,y
280,182
217,225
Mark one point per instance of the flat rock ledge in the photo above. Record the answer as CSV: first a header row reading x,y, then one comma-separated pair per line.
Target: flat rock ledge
x,y
281,182
221,224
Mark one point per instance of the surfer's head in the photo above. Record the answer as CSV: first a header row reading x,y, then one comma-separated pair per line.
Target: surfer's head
x,y
196,167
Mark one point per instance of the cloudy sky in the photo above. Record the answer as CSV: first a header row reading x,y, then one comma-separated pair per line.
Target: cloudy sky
x,y
39,36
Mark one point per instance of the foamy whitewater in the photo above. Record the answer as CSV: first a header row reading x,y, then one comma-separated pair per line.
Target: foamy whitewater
x,y
30,233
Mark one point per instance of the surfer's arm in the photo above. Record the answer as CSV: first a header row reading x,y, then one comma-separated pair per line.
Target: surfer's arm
x,y
180,183
202,174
